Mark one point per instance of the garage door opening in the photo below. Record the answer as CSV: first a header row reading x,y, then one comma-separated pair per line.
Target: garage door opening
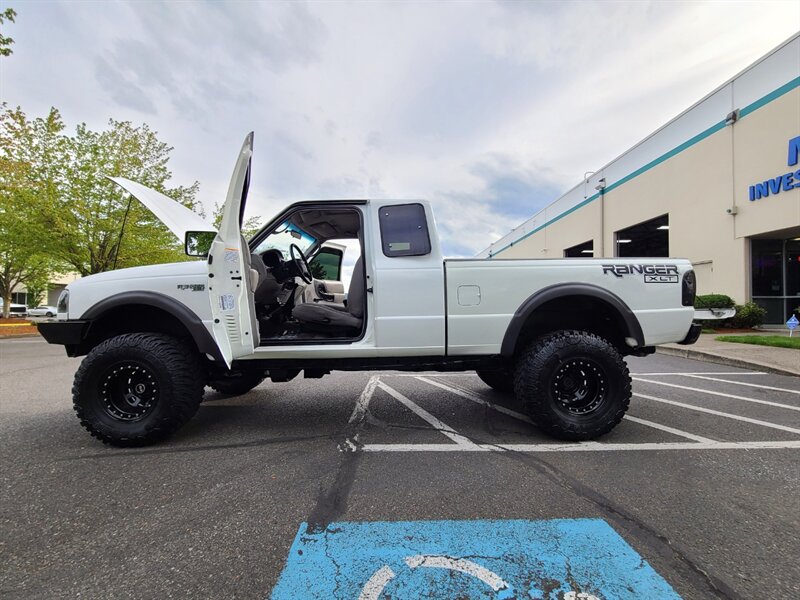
x,y
650,238
585,250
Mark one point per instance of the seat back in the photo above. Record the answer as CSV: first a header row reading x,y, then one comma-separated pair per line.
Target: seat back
x,y
356,294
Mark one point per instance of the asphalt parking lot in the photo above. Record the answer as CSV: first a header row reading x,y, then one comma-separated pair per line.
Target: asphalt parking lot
x,y
701,481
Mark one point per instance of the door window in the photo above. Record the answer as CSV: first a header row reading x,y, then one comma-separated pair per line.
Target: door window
x,y
327,264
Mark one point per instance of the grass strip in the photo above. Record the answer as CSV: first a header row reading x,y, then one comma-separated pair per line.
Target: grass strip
x,y
776,341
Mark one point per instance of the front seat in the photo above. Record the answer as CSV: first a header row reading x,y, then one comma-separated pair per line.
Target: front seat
x,y
324,315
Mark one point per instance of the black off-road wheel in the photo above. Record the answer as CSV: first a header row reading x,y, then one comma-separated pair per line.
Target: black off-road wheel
x,y
236,384
501,380
136,389
574,384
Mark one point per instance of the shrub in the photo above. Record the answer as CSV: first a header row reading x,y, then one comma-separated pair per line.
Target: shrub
x,y
714,301
748,316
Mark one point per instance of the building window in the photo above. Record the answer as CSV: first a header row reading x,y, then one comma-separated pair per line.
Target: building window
x,y
584,250
404,230
650,238
775,277
19,297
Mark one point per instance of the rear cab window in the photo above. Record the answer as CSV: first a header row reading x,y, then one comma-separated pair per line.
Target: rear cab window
x,y
404,230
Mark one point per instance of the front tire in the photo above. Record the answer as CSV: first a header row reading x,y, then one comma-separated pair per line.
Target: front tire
x,y
136,389
574,384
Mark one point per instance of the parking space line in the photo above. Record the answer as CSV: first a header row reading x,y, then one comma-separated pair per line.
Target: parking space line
x,y
585,447
722,394
362,404
477,399
432,373
706,373
672,430
425,415
512,413
719,413
755,385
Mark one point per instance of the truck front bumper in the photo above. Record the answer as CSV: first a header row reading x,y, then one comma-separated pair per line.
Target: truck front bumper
x,y
64,333
694,333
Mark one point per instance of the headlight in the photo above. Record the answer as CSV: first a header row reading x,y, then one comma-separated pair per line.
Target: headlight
x,y
63,303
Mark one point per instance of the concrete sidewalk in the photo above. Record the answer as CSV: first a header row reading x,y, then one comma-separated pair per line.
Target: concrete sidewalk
x,y
783,361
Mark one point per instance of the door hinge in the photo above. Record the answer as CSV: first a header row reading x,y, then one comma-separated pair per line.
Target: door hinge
x,y
369,289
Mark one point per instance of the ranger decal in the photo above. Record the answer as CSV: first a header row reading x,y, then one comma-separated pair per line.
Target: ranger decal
x,y
652,273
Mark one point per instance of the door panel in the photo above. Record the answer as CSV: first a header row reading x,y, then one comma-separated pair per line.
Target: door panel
x,y
230,280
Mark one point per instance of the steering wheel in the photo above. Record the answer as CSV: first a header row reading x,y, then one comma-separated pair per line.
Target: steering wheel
x,y
304,271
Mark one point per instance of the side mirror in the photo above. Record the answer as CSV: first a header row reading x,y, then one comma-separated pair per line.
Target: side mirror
x,y
198,243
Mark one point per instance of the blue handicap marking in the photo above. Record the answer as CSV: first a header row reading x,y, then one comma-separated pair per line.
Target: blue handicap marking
x,y
560,559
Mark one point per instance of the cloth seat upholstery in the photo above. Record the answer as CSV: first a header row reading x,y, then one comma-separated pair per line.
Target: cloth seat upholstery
x,y
327,314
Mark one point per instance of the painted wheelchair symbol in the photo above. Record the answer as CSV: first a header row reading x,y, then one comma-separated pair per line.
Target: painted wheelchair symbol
x,y
374,587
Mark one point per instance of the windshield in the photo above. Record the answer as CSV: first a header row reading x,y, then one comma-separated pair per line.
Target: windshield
x,y
283,237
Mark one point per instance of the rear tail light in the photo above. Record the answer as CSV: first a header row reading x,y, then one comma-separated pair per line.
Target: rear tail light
x,y
688,288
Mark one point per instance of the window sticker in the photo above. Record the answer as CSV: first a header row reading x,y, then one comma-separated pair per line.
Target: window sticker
x,y
231,255
226,302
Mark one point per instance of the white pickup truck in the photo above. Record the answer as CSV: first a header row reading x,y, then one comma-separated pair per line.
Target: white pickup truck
x,y
552,331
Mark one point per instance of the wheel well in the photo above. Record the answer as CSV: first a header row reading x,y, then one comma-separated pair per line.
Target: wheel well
x,y
585,313
133,318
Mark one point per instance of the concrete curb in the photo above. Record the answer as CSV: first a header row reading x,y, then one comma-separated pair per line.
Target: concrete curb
x,y
724,360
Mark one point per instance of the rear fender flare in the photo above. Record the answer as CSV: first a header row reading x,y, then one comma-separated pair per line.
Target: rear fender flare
x,y
515,327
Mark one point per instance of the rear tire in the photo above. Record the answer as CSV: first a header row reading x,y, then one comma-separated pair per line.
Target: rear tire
x,y
236,384
501,380
138,388
574,384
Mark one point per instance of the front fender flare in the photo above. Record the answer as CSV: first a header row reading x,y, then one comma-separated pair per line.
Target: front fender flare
x,y
188,318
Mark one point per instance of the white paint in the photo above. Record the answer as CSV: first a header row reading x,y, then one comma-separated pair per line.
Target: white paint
x,y
431,374
668,429
425,415
507,411
580,596
362,404
704,373
462,565
719,413
477,399
585,447
374,586
721,394
755,385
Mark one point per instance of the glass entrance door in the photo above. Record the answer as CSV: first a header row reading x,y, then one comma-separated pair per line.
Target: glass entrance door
x,y
775,272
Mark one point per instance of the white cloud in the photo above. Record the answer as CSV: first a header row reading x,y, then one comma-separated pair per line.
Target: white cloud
x,y
465,104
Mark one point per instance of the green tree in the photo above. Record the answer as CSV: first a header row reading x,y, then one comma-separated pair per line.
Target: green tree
x,y
5,42
83,212
92,209
250,226
25,250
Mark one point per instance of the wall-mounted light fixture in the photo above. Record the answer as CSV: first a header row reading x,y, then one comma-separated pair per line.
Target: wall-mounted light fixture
x,y
732,117
601,185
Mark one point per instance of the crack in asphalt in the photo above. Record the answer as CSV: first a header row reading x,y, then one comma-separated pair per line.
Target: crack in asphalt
x,y
659,542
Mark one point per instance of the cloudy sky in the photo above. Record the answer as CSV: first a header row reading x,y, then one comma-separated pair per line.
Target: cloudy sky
x,y
489,109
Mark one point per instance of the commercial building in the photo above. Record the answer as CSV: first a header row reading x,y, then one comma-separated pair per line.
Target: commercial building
x,y
719,185
55,286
